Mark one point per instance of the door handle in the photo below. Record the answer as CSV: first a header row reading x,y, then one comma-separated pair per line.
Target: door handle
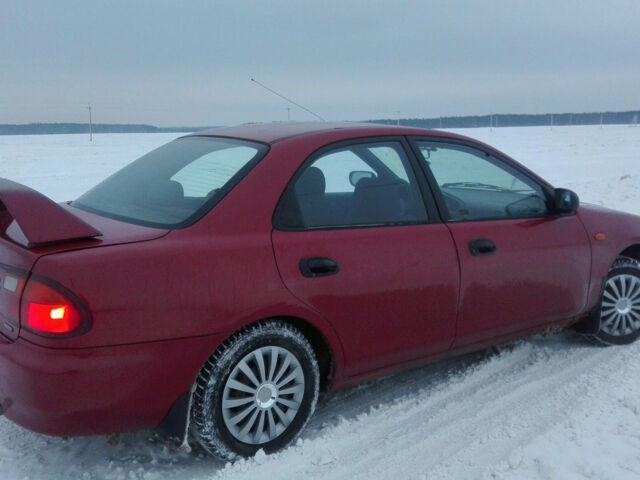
x,y
482,246
318,267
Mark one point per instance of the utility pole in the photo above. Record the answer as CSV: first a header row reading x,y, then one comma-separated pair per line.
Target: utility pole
x,y
440,123
90,124
288,113
398,119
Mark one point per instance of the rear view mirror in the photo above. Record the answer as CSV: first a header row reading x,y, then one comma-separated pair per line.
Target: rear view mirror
x,y
565,201
357,175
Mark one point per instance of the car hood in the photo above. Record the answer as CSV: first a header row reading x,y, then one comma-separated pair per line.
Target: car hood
x,y
598,211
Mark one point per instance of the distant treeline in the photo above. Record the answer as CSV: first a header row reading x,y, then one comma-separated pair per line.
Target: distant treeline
x,y
518,120
474,121
56,128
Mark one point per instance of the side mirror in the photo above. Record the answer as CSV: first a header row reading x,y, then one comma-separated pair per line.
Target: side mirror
x,y
357,175
565,201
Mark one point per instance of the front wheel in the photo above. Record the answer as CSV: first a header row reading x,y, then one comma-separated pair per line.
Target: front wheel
x,y
620,303
258,390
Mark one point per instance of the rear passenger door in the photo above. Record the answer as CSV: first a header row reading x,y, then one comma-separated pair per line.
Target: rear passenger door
x,y
355,241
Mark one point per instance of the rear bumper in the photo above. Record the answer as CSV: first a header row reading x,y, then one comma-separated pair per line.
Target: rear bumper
x,y
97,390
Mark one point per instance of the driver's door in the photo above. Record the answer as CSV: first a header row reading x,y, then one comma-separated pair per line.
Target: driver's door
x,y
521,266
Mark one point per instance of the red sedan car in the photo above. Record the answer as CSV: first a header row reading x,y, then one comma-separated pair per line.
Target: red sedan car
x,y
220,282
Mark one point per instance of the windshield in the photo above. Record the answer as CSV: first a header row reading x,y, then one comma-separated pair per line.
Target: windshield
x,y
174,185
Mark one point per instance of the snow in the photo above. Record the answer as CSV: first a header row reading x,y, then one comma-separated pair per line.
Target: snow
x,y
65,166
551,407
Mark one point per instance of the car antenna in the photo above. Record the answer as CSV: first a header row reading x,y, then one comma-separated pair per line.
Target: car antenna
x,y
287,99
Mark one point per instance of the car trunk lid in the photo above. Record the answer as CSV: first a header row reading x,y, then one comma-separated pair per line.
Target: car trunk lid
x,y
32,225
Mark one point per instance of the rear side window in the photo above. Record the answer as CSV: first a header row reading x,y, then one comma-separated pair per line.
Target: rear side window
x,y
174,185
366,184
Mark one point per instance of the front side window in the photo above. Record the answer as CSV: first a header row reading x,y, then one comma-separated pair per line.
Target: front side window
x,y
173,185
477,186
357,185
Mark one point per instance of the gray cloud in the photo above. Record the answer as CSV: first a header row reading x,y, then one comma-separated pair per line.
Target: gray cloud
x,y
172,63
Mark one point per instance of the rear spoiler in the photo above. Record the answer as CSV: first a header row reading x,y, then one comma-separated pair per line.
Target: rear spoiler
x,y
38,220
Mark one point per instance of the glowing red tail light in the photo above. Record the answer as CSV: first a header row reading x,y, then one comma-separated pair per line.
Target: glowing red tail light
x,y
52,318
48,309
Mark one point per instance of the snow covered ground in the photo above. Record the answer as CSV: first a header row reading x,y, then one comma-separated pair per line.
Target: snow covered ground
x,y
552,407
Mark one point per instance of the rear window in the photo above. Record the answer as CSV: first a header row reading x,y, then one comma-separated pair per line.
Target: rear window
x,y
174,185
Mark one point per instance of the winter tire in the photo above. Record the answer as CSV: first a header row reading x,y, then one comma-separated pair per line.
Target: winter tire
x,y
257,391
620,303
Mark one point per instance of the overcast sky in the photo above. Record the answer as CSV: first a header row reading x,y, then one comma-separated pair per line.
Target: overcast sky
x,y
190,62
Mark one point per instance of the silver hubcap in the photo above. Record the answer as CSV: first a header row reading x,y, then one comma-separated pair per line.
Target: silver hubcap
x,y
262,395
620,313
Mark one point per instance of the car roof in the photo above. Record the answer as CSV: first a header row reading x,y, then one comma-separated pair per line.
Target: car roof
x,y
275,132
317,134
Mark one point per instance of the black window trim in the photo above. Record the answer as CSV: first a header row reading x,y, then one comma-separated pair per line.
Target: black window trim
x,y
437,193
428,199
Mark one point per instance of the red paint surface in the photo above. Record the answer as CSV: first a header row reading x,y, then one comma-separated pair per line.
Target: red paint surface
x,y
539,275
161,302
97,390
38,219
394,298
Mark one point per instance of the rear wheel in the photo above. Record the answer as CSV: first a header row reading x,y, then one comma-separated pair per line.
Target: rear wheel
x,y
620,303
258,390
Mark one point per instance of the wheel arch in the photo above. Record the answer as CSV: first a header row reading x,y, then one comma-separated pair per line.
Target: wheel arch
x,y
321,347
632,251
327,350
176,423
590,324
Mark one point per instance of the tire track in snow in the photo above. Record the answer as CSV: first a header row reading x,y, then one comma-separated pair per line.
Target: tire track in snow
x,y
461,428
460,418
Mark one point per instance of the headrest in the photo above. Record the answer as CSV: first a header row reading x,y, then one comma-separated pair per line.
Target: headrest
x,y
166,192
310,182
367,183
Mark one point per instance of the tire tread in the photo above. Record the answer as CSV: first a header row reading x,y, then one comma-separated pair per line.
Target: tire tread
x,y
620,262
219,364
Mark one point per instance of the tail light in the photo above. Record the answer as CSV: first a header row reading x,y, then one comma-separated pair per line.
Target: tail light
x,y
49,309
